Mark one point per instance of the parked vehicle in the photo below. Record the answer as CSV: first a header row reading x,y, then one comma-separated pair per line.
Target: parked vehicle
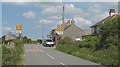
x,y
48,43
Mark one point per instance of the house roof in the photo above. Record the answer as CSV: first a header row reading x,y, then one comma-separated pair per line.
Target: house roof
x,y
8,37
12,35
107,18
72,23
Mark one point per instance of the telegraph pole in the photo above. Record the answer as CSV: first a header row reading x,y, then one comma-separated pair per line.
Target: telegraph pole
x,y
43,31
63,15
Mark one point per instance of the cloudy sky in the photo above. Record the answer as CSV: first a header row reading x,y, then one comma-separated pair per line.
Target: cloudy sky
x,y
32,14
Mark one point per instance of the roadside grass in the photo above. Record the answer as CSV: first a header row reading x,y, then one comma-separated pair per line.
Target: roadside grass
x,y
104,57
0,54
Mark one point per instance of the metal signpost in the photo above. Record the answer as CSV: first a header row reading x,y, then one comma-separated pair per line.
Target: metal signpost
x,y
19,29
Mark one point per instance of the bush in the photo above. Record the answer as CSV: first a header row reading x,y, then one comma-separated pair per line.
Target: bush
x,y
81,49
68,45
39,41
67,41
9,56
90,42
14,55
104,57
109,33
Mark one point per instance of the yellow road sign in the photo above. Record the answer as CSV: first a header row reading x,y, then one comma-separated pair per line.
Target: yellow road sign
x,y
60,28
19,27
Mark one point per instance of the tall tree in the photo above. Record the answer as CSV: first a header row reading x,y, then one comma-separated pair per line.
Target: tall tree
x,y
109,33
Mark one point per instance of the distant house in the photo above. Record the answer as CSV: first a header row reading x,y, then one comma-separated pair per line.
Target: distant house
x,y
54,36
87,33
95,28
8,37
72,31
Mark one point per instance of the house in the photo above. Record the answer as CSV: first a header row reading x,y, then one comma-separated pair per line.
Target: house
x,y
95,28
68,29
8,37
72,31
54,36
87,33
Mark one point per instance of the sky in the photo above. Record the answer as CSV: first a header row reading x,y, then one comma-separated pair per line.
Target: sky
x,y
0,19
32,14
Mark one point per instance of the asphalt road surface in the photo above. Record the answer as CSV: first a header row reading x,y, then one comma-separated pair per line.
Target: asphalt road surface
x,y
38,55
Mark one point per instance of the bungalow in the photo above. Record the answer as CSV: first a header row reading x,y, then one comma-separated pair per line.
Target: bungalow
x,y
8,38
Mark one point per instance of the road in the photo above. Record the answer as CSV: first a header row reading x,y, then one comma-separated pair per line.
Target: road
x,y
38,55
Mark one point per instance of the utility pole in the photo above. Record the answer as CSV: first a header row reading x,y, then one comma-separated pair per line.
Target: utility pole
x,y
43,31
63,15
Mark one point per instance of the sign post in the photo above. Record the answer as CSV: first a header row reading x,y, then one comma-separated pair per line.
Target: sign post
x,y
19,29
60,30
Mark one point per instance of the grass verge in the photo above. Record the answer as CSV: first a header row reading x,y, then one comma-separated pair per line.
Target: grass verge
x,y
104,57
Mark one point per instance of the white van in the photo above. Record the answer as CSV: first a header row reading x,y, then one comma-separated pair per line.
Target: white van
x,y
48,43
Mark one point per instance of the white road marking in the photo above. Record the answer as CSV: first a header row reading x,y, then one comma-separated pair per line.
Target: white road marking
x,y
50,56
39,49
61,63
45,53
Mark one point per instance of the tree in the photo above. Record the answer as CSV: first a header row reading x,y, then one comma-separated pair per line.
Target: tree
x,y
39,41
66,40
109,33
29,40
25,39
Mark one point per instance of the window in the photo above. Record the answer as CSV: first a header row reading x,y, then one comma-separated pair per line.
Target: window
x,y
78,39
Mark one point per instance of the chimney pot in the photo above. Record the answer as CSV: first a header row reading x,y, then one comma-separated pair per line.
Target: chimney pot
x,y
112,12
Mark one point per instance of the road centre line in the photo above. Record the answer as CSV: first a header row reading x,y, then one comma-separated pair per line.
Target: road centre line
x,y
45,53
39,49
62,63
50,56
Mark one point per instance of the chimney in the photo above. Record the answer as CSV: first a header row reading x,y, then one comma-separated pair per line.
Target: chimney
x,y
112,12
72,22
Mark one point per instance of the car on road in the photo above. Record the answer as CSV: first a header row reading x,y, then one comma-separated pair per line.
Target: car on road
x,y
48,43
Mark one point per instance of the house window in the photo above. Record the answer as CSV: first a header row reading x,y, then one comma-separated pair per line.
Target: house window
x,y
98,30
95,31
78,39
92,29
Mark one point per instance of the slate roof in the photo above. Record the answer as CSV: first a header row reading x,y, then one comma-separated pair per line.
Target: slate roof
x,y
8,37
107,18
